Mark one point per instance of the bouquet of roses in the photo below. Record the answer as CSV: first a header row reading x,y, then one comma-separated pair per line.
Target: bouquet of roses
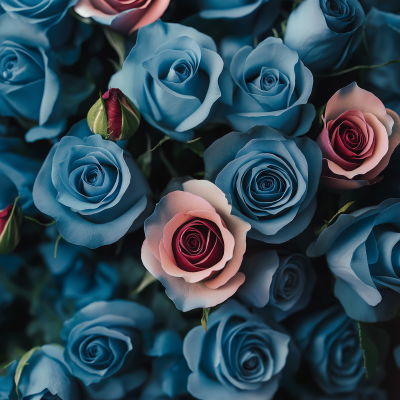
x,y
199,199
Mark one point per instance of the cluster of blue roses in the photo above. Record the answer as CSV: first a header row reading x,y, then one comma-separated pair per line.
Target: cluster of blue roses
x,y
203,205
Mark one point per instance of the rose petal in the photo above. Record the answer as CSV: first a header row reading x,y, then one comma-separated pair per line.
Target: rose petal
x,y
188,296
167,258
353,97
235,225
394,141
170,205
381,148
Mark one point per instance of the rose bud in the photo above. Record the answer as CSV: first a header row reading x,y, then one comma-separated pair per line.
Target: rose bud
x,y
114,116
9,228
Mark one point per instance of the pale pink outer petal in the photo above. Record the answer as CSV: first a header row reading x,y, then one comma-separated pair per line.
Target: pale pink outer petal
x,y
353,97
169,206
86,9
394,141
235,225
131,21
188,296
381,148
126,22
168,262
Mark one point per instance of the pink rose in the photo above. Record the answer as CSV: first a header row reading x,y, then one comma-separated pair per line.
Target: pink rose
x,y
358,139
195,247
125,16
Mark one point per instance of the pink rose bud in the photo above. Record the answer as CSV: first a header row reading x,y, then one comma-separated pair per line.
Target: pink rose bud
x,y
9,229
114,116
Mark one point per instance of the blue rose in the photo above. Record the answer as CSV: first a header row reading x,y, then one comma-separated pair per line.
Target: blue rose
x,y
7,378
363,251
82,278
172,76
32,88
330,344
382,35
92,188
220,18
170,372
276,284
240,357
392,6
325,32
46,377
18,171
269,180
104,347
61,33
45,13
272,87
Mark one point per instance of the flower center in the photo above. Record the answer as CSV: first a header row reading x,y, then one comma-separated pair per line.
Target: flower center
x,y
197,244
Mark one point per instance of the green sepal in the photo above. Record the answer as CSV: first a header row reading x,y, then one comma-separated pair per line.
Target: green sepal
x,y
10,236
97,118
204,318
130,122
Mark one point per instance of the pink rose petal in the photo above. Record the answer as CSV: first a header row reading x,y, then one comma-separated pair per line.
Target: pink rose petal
x,y
381,148
394,141
235,225
188,296
352,97
173,203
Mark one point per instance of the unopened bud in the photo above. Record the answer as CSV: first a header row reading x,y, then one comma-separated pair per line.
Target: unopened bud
x,y
10,222
114,116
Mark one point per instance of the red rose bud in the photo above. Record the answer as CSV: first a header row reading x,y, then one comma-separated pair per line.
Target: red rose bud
x,y
10,222
114,116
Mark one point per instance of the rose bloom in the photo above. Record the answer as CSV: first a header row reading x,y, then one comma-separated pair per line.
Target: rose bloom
x,y
194,246
358,139
123,16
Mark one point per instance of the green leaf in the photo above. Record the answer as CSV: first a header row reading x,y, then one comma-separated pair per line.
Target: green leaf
x,y
204,318
117,42
5,365
144,160
341,211
345,71
168,165
320,112
164,139
56,245
196,146
131,272
374,343
38,222
21,364
97,118
296,3
114,64
146,281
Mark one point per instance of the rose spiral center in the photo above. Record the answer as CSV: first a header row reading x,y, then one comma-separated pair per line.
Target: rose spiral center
x,y
197,245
